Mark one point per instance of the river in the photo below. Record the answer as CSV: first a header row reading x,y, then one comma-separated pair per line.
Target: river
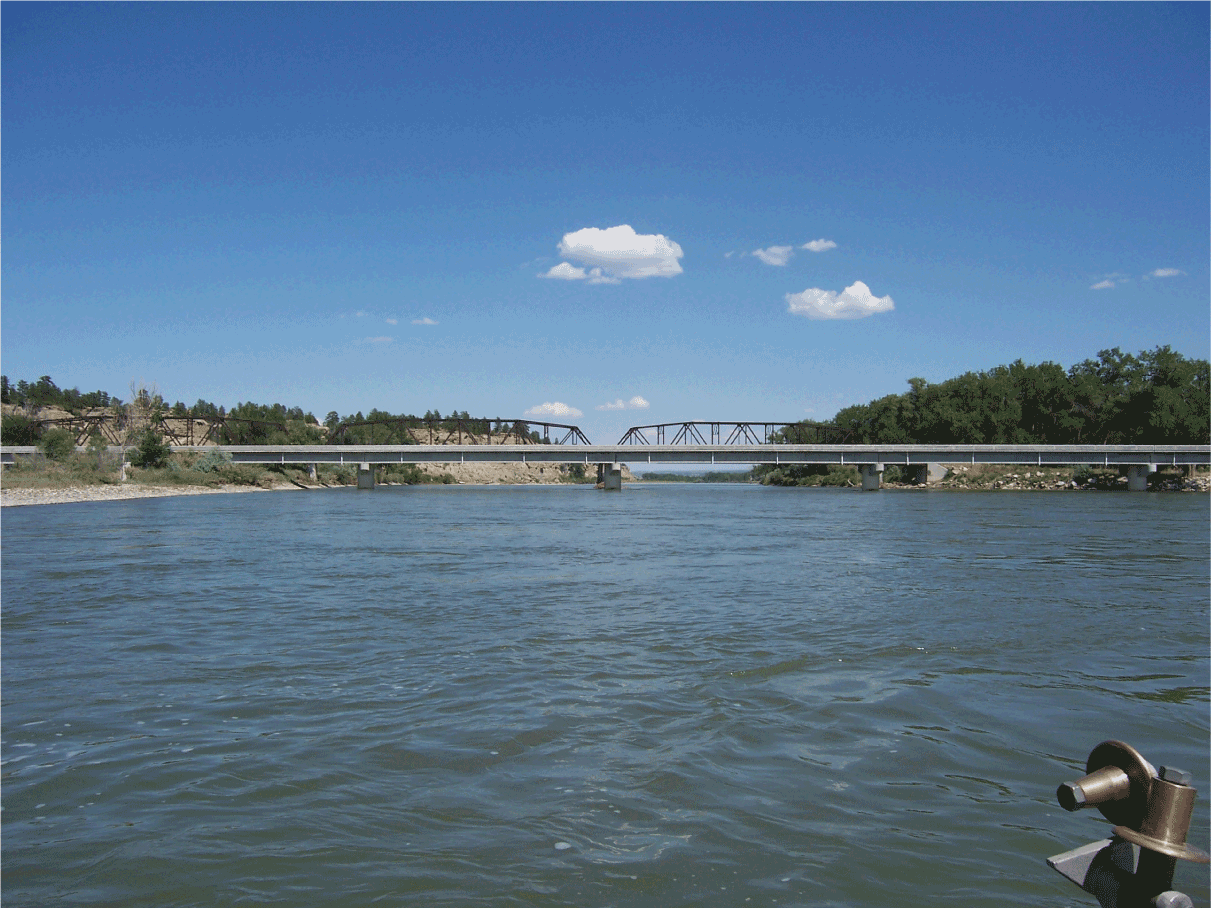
x,y
541,696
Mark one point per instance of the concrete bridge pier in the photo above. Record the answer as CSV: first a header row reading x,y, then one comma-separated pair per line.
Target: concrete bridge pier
x,y
312,473
1137,476
365,476
927,473
872,476
609,475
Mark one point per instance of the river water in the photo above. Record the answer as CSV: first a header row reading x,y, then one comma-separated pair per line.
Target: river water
x,y
675,695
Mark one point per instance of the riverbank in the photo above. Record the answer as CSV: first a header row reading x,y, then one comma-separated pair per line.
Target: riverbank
x,y
75,494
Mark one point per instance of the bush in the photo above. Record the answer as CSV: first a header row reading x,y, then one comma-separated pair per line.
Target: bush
x,y
57,444
212,460
152,451
16,429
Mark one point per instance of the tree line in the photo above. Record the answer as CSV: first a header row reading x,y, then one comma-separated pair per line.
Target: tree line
x,y
1157,397
246,423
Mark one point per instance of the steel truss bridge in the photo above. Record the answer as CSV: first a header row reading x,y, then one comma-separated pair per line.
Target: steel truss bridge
x,y
468,431
704,432
188,431
184,430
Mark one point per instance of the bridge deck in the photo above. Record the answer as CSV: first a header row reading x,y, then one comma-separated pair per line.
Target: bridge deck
x,y
1039,455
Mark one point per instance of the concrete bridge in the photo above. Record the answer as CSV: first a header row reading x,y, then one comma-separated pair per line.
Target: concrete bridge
x,y
1140,460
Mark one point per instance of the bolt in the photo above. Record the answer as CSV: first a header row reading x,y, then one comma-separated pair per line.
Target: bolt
x,y
1175,775
1071,796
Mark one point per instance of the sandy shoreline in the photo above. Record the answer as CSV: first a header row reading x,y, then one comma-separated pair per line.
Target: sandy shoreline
x,y
130,490
23,497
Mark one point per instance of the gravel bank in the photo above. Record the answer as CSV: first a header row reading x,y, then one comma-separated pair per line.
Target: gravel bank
x,y
22,497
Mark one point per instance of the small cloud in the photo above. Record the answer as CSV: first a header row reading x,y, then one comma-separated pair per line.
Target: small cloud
x,y
360,314
1110,281
596,277
775,255
554,408
378,340
819,246
392,321
635,403
728,255
616,253
1167,272
565,272
423,321
855,301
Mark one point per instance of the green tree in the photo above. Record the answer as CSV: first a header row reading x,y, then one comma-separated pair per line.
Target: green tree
x,y
57,444
152,451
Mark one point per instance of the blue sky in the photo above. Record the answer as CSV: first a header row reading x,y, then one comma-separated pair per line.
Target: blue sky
x,y
695,211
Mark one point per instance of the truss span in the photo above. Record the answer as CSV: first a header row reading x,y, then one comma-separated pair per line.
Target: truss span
x,y
706,432
464,431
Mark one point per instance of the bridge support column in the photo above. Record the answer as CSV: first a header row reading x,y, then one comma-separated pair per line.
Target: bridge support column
x,y
872,476
927,473
609,477
1137,476
311,472
365,476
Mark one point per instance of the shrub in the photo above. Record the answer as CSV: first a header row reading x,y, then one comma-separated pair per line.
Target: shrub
x,y
16,429
57,444
152,451
212,460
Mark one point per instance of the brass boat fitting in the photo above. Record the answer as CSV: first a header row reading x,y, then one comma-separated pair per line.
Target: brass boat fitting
x,y
1117,782
1167,819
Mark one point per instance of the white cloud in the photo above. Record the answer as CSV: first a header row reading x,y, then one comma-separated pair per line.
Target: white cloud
x,y
597,277
1102,285
635,403
392,321
360,314
554,408
565,272
855,301
615,253
1167,272
378,340
775,255
423,321
819,246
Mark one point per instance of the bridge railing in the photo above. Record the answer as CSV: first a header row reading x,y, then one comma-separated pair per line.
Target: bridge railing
x,y
706,432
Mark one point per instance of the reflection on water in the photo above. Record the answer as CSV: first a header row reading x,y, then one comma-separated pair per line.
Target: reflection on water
x,y
555,696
